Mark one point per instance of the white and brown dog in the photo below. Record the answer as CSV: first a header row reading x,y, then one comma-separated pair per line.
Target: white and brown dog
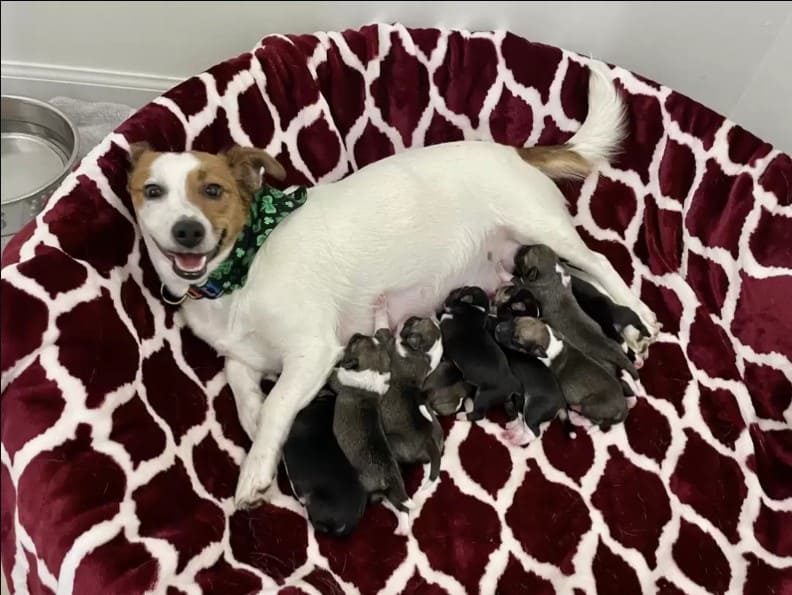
x,y
411,227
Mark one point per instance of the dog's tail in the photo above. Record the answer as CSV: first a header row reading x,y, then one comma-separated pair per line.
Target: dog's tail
x,y
597,139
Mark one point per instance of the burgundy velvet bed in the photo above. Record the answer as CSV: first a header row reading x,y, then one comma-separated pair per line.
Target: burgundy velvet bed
x,y
120,443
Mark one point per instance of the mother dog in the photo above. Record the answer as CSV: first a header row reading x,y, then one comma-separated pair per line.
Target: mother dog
x,y
407,229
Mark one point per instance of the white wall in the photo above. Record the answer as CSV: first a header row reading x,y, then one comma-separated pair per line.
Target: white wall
x,y
735,57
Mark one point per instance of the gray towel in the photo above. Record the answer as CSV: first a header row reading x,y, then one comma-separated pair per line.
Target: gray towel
x,y
93,120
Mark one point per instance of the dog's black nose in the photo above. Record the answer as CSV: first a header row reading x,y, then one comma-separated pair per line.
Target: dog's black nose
x,y
188,232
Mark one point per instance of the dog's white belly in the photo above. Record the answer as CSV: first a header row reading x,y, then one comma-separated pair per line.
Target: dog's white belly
x,y
426,295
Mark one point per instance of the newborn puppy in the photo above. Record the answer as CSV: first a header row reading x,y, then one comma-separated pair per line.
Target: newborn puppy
x,y
617,322
445,390
512,301
321,476
583,382
360,380
540,271
470,346
412,430
541,399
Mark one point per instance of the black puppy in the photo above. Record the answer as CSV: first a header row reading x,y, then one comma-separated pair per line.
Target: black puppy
x,y
445,390
469,345
360,381
321,476
541,399
540,271
584,382
412,430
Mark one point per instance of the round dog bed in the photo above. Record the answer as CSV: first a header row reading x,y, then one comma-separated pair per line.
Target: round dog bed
x,y
120,442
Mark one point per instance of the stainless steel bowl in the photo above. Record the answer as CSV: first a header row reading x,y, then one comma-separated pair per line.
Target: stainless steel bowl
x,y
39,148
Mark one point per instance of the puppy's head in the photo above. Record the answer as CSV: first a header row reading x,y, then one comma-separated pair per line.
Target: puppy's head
x,y
365,353
191,206
526,334
512,301
419,348
467,297
535,264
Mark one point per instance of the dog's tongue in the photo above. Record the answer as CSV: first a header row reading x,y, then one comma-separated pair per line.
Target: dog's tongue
x,y
190,262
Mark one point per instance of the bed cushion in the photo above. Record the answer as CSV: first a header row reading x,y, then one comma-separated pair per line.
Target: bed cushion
x,y
120,441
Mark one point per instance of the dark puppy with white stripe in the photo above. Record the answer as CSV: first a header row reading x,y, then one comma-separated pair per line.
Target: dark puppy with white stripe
x,y
468,343
541,399
585,384
360,380
320,474
412,429
539,270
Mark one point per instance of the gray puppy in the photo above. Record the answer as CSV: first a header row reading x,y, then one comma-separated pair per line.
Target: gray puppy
x,y
412,429
539,269
446,390
584,382
360,380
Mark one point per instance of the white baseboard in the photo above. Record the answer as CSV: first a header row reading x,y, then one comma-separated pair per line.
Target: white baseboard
x,y
45,81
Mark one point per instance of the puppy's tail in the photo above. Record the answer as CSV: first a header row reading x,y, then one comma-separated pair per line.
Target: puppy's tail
x,y
598,138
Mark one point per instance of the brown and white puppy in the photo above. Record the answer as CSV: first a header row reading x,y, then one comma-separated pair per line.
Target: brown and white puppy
x,y
586,385
360,381
193,205
412,429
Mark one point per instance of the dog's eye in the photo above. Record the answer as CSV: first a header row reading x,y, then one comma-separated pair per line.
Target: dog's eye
x,y
213,190
153,191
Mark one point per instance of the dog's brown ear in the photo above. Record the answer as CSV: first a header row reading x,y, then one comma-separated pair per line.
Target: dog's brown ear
x,y
136,151
246,164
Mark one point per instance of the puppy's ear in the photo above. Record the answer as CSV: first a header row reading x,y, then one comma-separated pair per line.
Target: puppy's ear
x,y
538,351
136,150
413,341
246,164
349,362
532,274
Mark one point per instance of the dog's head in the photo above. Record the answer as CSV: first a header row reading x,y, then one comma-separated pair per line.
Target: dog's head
x,y
365,365
536,264
365,353
525,334
419,348
191,206
467,297
512,301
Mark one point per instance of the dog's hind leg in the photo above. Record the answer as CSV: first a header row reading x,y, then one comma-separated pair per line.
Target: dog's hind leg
x,y
305,370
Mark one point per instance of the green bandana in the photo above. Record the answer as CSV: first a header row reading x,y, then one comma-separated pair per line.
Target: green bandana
x,y
270,206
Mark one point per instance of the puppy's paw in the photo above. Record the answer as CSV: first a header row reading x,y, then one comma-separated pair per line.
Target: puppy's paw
x,y
579,421
256,481
517,433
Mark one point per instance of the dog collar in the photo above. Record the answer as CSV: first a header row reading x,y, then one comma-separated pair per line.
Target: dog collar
x,y
269,207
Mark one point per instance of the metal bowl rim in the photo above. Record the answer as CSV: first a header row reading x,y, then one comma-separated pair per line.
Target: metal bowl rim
x,y
67,167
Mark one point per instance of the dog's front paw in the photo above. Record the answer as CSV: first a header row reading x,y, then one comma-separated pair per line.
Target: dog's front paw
x,y
256,479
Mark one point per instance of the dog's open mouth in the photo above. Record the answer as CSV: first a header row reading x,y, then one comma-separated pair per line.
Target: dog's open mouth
x,y
190,265
187,265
